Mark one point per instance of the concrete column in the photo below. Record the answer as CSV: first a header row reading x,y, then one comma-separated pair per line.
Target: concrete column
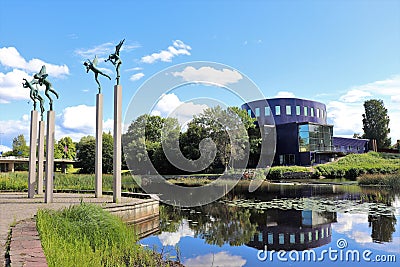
x,y
49,156
99,146
11,166
32,154
40,158
117,143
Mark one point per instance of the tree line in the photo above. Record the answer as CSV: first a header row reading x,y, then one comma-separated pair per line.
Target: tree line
x,y
233,132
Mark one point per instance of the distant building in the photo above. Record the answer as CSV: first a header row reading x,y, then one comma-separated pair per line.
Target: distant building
x,y
303,136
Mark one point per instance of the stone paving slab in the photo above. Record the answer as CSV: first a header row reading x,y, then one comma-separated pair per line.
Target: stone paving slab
x,y
16,206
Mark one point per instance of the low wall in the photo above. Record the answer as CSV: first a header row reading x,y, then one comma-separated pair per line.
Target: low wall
x,y
140,211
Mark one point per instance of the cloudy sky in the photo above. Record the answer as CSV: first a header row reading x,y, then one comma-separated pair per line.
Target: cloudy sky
x,y
337,52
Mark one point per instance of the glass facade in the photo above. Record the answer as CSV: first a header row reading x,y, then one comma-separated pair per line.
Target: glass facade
x,y
314,137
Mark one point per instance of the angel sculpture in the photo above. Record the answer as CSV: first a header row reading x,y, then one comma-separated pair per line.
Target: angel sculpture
x,y
92,65
34,94
115,58
41,79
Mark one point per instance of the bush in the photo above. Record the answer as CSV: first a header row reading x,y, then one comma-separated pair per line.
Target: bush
x,y
290,172
354,165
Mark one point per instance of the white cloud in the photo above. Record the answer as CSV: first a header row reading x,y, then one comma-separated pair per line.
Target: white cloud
x,y
222,258
11,86
209,74
354,95
134,69
177,48
346,114
171,239
284,94
346,117
79,121
99,50
136,76
10,57
4,148
169,105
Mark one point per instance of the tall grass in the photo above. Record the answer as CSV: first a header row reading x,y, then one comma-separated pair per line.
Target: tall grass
x,y
86,235
18,181
14,181
390,180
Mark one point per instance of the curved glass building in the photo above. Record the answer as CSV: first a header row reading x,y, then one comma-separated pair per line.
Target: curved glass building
x,y
303,136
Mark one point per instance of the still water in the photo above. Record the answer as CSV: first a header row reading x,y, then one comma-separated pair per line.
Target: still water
x,y
311,225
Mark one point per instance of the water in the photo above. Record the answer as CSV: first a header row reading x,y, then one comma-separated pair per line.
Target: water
x,y
315,225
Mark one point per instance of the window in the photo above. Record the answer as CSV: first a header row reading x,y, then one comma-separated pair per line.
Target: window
x,y
289,159
297,110
305,111
322,113
302,238
292,239
317,112
312,112
281,239
249,112
316,235
288,110
267,111
309,236
270,238
277,110
260,237
257,112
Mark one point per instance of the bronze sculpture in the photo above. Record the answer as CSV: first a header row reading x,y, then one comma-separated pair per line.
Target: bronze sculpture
x,y
41,79
92,65
115,59
34,94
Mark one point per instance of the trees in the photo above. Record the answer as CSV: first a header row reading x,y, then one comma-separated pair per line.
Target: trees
x,y
65,149
86,153
19,147
376,122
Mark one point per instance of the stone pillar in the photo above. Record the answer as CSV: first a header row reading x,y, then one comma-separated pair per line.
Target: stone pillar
x,y
32,154
40,158
11,166
117,143
99,146
49,156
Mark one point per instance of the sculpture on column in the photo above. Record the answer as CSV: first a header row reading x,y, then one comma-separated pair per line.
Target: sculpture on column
x,y
115,59
41,77
92,65
34,94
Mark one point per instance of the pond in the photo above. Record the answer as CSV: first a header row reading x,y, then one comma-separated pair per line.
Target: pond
x,y
285,224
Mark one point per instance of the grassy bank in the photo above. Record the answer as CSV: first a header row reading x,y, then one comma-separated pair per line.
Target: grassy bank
x,y
86,235
355,165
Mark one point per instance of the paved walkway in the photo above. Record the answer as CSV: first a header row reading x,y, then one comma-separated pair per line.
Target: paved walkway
x,y
15,207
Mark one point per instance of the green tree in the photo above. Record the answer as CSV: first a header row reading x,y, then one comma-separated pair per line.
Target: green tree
x,y
19,147
86,153
65,149
376,122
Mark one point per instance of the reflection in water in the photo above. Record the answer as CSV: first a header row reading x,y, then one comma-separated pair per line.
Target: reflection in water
x,y
282,218
293,230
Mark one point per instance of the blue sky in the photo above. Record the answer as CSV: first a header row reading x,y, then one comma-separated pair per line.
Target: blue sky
x,y
337,52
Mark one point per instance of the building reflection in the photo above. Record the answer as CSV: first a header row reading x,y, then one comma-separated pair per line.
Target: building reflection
x,y
292,229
